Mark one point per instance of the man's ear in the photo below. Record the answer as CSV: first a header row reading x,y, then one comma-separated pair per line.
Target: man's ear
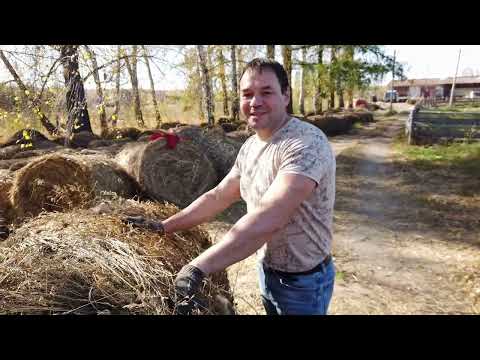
x,y
286,96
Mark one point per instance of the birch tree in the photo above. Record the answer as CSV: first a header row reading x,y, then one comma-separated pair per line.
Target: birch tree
x,y
235,97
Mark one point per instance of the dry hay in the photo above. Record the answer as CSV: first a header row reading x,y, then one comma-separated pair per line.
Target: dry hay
x,y
178,175
220,149
80,262
62,182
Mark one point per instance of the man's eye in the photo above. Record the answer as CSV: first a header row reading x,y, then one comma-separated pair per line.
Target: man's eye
x,y
267,93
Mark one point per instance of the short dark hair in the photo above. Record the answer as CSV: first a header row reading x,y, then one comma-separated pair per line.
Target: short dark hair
x,y
260,64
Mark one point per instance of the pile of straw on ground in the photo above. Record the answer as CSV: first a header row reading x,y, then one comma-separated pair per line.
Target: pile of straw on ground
x,y
61,182
83,262
178,175
220,149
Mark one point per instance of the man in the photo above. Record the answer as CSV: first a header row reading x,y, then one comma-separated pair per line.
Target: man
x,y
286,175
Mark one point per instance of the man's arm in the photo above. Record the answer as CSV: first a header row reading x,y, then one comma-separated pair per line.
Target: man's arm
x,y
206,206
277,207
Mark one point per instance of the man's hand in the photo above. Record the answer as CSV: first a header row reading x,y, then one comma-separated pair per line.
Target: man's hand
x,y
187,285
142,223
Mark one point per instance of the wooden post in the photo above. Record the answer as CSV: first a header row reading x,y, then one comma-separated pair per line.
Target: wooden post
x,y
454,79
393,78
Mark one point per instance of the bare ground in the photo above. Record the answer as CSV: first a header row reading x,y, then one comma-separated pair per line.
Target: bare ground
x,y
404,242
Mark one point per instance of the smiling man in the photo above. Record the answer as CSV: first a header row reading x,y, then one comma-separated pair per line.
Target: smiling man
x,y
286,175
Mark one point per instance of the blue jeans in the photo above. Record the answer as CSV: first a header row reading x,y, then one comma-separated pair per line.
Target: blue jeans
x,y
288,294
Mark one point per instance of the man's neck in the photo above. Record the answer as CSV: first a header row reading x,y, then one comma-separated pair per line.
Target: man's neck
x,y
266,134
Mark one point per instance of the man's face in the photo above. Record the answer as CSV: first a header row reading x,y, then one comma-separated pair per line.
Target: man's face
x,y
261,99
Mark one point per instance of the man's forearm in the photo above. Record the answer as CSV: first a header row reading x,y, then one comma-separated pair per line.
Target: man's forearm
x,y
201,210
244,238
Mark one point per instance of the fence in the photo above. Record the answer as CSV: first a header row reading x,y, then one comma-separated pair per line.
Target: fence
x,y
427,126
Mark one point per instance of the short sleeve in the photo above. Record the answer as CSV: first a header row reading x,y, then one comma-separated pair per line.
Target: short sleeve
x,y
309,156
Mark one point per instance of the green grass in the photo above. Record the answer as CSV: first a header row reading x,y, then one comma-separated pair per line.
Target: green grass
x,y
462,157
459,107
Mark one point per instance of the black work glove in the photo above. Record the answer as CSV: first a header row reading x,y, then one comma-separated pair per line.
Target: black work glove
x,y
142,223
187,286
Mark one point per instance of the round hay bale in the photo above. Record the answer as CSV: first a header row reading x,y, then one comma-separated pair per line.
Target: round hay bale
x,y
25,136
178,175
82,263
220,149
169,125
229,127
122,133
62,182
239,135
82,139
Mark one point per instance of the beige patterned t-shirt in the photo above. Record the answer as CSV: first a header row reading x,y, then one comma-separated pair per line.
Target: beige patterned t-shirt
x,y
301,148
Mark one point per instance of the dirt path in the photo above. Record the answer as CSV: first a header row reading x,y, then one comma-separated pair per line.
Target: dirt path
x,y
389,260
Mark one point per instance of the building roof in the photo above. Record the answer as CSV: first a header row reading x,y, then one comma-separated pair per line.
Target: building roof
x,y
436,81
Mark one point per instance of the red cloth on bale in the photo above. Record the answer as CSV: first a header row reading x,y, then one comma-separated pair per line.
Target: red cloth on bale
x,y
172,139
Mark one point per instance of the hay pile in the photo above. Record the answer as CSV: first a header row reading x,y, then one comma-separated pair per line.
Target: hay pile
x,y
239,135
332,124
25,137
177,175
85,263
61,182
6,210
220,149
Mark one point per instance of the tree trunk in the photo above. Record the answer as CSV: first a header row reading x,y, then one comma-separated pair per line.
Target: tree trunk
x,y
116,111
301,100
34,104
287,64
317,104
201,95
131,62
158,118
206,84
333,59
240,64
235,97
211,75
78,118
271,52
101,100
223,81
349,53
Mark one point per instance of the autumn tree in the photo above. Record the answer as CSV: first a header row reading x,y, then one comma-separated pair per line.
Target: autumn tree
x,y
287,64
100,97
78,117
202,58
158,118
131,62
235,96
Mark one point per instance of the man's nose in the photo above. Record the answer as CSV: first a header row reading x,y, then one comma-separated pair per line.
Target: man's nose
x,y
256,101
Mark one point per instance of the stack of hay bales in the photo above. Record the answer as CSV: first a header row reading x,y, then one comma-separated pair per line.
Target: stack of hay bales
x,y
85,263
178,175
339,123
220,149
61,182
